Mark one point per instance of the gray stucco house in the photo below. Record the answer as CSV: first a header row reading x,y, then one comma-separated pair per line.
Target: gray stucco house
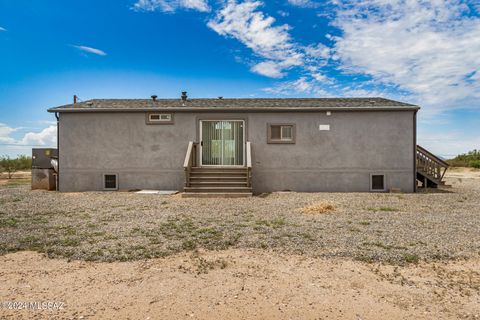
x,y
236,146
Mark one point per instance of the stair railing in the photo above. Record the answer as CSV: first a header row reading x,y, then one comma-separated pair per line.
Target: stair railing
x,y
430,164
249,164
190,161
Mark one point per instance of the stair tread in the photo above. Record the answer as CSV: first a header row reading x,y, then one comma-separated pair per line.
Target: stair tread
x,y
218,182
216,195
217,177
218,188
220,167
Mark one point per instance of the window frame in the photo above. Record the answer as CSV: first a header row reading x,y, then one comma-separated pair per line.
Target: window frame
x,y
270,140
104,175
384,182
148,118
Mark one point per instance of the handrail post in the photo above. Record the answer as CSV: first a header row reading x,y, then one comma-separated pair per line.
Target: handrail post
x,y
249,164
187,163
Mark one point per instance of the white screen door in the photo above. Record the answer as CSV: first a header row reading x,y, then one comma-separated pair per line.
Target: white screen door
x,y
222,142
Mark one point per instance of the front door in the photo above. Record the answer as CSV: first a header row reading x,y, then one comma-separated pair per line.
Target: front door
x,y
222,142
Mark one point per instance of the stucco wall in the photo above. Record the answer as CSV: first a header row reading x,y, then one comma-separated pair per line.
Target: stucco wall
x,y
151,156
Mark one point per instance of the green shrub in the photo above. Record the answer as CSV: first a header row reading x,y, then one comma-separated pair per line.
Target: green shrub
x,y
469,159
474,164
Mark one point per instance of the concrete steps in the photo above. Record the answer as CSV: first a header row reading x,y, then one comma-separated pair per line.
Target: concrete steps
x,y
218,182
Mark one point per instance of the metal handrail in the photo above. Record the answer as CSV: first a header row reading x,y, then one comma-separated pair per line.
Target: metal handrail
x,y
249,154
188,156
190,160
249,163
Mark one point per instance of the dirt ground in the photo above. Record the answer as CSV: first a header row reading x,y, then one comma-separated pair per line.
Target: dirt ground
x,y
247,282
18,178
240,284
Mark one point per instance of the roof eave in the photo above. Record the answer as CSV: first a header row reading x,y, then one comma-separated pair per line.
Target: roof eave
x,y
233,109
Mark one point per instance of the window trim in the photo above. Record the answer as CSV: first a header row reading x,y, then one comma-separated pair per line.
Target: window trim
x,y
279,141
116,181
384,182
148,119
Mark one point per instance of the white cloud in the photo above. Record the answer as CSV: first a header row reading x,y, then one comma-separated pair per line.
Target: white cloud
x,y
319,51
46,137
303,3
272,43
302,85
245,23
2,29
448,144
90,50
428,48
5,132
268,69
171,5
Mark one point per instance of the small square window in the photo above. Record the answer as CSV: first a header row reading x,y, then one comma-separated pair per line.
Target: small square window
x,y
110,182
377,182
281,133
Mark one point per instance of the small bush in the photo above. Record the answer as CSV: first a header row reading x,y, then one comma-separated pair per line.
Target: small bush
x,y
322,207
411,258
9,223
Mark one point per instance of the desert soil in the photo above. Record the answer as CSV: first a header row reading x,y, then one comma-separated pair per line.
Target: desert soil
x,y
240,284
357,261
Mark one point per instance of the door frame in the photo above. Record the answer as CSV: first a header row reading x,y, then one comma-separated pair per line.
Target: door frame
x,y
201,143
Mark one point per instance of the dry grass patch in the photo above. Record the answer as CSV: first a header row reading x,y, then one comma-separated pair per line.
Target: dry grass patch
x,y
321,207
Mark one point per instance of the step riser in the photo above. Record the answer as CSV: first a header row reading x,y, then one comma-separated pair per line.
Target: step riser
x,y
218,168
216,195
218,173
217,190
218,185
226,179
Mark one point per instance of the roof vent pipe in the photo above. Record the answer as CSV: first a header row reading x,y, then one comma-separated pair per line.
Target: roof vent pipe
x,y
154,98
74,99
184,96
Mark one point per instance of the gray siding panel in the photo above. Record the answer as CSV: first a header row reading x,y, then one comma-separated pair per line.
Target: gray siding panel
x,y
146,156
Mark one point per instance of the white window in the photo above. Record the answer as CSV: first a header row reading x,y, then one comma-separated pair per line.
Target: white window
x,y
160,117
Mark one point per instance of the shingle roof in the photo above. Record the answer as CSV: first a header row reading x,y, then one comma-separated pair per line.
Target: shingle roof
x,y
260,104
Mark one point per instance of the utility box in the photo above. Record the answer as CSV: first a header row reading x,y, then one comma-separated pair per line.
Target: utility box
x,y
42,157
44,175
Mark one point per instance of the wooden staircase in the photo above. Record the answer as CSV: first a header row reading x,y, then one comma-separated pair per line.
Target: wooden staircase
x,y
430,168
216,182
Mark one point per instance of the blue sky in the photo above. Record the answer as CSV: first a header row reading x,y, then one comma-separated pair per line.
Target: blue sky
x,y
423,52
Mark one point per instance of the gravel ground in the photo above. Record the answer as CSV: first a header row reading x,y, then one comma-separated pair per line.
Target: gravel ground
x,y
120,226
